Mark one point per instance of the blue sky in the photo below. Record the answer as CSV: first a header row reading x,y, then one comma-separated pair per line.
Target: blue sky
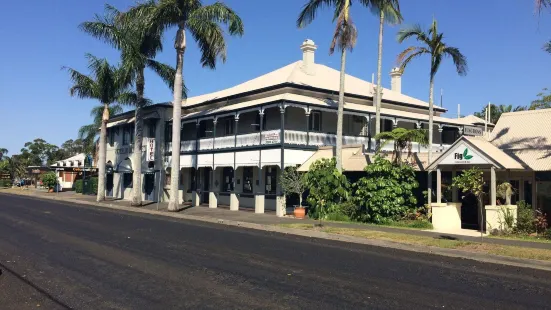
x,y
502,43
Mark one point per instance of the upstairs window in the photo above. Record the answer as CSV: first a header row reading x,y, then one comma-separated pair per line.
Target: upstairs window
x,y
111,133
229,126
315,121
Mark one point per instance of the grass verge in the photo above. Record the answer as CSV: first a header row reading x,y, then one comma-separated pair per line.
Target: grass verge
x,y
503,250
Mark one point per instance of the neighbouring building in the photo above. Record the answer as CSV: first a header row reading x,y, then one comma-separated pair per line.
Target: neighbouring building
x,y
234,142
71,169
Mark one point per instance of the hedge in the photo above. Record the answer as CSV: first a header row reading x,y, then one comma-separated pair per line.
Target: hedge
x,y
5,183
92,186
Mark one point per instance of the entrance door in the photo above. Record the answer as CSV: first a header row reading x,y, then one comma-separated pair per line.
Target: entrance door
x,y
206,184
469,211
149,186
109,185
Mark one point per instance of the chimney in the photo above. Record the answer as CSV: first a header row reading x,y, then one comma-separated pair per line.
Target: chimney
x,y
396,80
308,54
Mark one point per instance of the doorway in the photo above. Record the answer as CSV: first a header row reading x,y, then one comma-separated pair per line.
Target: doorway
x,y
206,184
109,185
149,186
470,213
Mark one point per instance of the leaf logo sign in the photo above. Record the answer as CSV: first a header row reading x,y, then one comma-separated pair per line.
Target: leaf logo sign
x,y
466,155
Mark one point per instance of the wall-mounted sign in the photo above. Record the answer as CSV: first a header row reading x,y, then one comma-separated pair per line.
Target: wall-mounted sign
x,y
150,149
85,169
473,131
271,138
464,154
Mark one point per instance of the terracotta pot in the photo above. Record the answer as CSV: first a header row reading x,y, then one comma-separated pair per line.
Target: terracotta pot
x,y
51,190
300,212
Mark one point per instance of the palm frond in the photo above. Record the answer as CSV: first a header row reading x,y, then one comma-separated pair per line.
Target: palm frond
x,y
410,53
413,31
210,38
219,13
87,131
390,8
84,87
345,36
167,74
459,60
547,47
311,8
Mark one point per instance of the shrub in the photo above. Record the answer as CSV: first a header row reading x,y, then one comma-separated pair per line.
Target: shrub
x,y
5,183
525,218
327,188
348,209
49,179
418,224
292,182
78,186
337,216
547,234
93,185
386,193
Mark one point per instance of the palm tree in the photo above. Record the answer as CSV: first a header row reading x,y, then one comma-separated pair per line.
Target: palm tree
x,y
541,4
389,12
106,84
403,139
139,44
434,46
497,110
344,38
3,151
203,23
88,133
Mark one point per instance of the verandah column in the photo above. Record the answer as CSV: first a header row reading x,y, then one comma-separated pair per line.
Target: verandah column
x,y
281,205
493,187
438,186
195,199
213,197
307,114
455,192
259,198
234,202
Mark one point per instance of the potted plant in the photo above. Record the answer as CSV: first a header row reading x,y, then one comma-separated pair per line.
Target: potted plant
x,y
292,182
49,180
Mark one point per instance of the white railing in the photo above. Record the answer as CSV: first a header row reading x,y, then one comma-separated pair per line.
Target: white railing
x,y
291,137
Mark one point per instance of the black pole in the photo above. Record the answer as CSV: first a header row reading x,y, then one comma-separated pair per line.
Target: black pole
x,y
282,139
234,151
308,126
260,185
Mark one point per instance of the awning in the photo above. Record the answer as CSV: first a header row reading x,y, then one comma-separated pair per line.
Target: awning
x,y
121,122
125,166
353,158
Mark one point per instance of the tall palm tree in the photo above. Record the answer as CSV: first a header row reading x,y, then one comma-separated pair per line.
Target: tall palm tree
x,y
139,44
497,110
434,46
3,152
389,12
541,4
203,23
88,133
344,39
106,84
403,139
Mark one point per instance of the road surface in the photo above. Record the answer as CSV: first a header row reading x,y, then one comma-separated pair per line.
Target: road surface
x,y
59,256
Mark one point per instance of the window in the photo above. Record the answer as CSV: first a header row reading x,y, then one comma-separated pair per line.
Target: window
x,y
168,132
167,177
248,180
127,180
227,175
271,180
315,121
111,133
127,135
387,125
229,126
151,129
192,183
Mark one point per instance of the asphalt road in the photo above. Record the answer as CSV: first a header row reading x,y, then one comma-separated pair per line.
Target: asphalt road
x,y
58,256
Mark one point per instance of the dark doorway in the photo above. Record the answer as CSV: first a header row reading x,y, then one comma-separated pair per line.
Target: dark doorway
x,y
206,184
469,211
149,186
109,185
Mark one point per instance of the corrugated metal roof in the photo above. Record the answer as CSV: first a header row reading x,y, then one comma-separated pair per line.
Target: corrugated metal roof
x,y
494,153
526,136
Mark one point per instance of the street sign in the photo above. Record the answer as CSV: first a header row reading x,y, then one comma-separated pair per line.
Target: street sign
x,y
473,131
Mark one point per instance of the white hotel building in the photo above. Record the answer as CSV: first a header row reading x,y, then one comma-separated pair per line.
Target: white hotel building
x,y
235,141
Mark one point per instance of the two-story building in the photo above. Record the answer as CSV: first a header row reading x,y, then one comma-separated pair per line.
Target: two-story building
x,y
234,142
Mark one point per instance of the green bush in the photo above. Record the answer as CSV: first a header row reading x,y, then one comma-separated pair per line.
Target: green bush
x,y
386,193
5,183
525,218
348,208
78,186
328,188
93,185
418,224
49,179
547,234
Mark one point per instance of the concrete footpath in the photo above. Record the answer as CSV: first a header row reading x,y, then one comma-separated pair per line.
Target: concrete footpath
x,y
269,222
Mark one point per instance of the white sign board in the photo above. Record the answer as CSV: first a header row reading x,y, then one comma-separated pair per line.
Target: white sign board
x,y
463,154
473,131
271,138
150,149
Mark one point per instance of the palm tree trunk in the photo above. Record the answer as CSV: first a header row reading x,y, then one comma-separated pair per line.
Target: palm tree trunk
x,y
180,46
379,73
431,110
102,153
340,112
138,142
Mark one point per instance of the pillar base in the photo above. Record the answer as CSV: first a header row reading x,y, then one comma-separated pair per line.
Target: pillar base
x,y
195,199
281,206
446,216
234,202
259,203
496,217
213,200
